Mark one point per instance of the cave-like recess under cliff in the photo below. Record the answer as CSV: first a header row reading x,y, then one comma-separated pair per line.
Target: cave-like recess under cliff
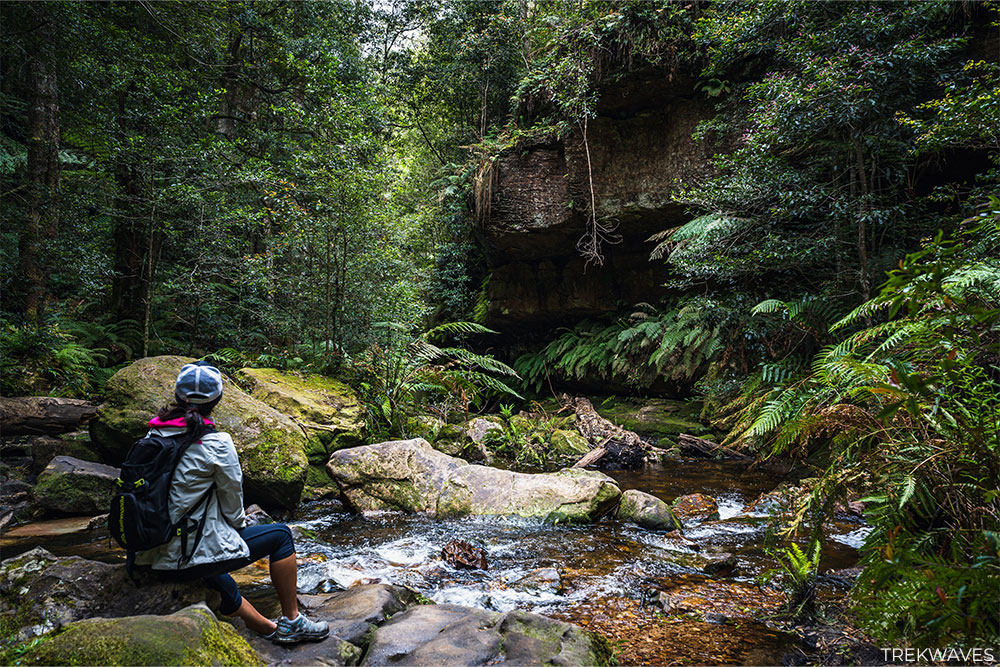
x,y
641,152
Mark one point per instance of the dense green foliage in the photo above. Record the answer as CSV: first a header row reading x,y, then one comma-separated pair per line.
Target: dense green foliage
x,y
394,373
222,179
266,182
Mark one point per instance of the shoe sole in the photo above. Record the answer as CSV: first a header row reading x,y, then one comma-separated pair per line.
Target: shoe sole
x,y
298,639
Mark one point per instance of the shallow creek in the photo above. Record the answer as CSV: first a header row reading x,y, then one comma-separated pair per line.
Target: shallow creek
x,y
610,577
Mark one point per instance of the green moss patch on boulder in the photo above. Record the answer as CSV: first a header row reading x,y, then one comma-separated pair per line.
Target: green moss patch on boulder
x,y
660,419
73,486
569,443
272,447
328,410
191,636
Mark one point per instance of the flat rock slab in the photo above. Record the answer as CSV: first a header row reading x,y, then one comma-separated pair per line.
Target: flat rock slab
x,y
352,614
411,476
452,635
53,528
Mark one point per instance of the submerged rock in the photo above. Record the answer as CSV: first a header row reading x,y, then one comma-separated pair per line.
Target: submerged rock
x,y
330,411
191,636
271,446
411,476
76,487
448,635
696,507
647,511
40,592
462,555
543,579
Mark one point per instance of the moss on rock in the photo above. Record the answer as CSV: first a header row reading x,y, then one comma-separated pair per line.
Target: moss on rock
x,y
271,446
569,443
191,636
75,487
329,410
655,418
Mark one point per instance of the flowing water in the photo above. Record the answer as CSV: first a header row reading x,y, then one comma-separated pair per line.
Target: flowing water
x,y
611,577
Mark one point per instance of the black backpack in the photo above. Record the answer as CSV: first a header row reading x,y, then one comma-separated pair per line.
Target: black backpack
x,y
140,517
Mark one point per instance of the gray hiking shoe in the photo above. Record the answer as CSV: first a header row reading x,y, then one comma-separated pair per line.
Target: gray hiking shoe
x,y
299,630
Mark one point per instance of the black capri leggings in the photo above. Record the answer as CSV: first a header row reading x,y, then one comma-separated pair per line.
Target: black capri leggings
x,y
271,539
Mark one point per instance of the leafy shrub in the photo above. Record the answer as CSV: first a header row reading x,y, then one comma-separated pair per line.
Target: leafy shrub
x,y
906,406
405,371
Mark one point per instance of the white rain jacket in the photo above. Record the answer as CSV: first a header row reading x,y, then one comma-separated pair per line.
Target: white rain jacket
x,y
212,460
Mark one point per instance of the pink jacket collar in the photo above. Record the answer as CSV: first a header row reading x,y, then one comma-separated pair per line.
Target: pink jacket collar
x,y
156,422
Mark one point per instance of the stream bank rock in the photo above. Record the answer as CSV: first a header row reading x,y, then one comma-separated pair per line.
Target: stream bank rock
x,y
73,486
411,476
328,410
191,636
272,447
647,511
40,592
451,635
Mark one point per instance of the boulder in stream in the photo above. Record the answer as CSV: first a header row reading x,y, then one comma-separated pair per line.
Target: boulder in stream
x,y
446,634
272,447
73,486
411,476
40,592
647,511
191,636
695,508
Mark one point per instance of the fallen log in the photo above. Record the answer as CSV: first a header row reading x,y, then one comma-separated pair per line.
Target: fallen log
x,y
623,448
590,458
43,415
707,447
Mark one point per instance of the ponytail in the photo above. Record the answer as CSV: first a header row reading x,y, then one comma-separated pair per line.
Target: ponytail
x,y
193,413
194,421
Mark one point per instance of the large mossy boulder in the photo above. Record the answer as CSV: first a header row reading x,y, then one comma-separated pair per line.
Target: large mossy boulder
x,y
446,634
328,410
40,592
411,476
72,486
192,636
647,511
272,447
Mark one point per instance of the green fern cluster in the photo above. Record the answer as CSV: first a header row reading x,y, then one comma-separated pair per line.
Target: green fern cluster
x,y
906,404
675,343
406,373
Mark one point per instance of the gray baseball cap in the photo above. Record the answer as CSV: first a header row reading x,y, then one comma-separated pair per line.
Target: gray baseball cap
x,y
198,383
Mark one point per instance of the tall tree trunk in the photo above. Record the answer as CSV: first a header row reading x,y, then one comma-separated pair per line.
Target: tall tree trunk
x,y
136,236
42,218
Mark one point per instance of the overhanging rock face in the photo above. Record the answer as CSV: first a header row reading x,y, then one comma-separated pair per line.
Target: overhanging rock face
x,y
641,153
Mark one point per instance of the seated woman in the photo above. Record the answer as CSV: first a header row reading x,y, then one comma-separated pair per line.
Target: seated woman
x,y
208,482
